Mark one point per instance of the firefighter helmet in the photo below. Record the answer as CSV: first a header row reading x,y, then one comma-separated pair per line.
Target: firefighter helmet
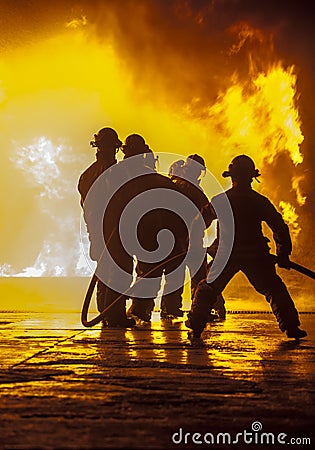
x,y
242,166
135,145
106,136
176,168
199,159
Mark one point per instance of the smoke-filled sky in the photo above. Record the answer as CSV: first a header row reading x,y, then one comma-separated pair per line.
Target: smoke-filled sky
x,y
191,76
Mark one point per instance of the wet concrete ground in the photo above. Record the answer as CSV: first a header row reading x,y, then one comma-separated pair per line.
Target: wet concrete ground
x,y
66,387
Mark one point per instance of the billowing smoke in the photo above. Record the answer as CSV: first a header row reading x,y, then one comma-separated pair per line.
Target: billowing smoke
x,y
165,69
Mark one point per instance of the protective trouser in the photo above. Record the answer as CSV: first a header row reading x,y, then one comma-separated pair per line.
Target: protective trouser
x,y
171,302
261,273
113,289
149,283
145,290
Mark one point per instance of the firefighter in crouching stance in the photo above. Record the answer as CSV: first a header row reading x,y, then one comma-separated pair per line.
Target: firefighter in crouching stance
x,y
250,253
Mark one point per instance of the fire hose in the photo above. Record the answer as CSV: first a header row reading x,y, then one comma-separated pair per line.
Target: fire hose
x,y
308,272
85,308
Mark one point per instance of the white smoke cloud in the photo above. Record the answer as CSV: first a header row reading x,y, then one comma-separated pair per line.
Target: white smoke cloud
x,y
50,167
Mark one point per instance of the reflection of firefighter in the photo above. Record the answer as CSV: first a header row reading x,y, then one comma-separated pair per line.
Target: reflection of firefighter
x,y
250,252
150,225
107,143
186,176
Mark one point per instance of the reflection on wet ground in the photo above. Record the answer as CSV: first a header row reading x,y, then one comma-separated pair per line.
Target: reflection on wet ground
x,y
63,386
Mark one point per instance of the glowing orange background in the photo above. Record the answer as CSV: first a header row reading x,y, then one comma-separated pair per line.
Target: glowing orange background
x,y
67,70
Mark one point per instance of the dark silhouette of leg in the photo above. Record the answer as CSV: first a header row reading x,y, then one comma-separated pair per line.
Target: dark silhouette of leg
x,y
142,306
206,296
262,275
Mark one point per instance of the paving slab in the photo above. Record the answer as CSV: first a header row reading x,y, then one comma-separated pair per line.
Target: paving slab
x,y
67,387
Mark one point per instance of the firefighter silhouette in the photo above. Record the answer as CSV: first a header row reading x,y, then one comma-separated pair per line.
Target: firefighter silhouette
x,y
187,176
250,253
107,143
150,225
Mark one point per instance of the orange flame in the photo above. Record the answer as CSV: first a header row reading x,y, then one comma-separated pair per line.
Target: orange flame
x,y
261,119
291,218
73,79
301,199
